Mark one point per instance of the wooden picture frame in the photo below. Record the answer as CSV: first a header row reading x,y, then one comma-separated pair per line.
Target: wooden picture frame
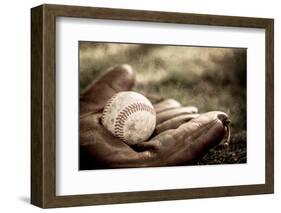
x,y
43,105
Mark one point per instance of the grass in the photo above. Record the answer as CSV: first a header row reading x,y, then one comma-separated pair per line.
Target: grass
x,y
208,78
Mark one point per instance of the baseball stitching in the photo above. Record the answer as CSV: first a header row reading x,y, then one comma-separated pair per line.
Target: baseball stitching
x,y
107,106
124,115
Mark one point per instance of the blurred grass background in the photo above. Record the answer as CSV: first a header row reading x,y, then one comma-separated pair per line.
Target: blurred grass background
x,y
208,78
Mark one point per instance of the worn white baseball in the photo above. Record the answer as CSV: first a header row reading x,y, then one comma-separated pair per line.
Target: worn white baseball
x,y
129,116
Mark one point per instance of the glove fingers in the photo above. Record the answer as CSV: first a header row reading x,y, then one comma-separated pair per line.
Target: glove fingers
x,y
174,122
116,79
190,140
166,104
203,132
171,113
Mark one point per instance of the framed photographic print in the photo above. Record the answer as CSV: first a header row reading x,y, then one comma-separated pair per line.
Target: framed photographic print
x,y
137,106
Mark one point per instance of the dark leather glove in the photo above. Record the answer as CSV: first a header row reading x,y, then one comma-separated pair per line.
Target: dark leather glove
x,y
180,138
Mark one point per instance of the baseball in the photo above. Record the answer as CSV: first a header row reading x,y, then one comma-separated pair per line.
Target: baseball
x,y
129,116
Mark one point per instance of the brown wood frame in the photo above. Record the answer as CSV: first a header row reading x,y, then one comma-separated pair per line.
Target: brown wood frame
x,y
43,105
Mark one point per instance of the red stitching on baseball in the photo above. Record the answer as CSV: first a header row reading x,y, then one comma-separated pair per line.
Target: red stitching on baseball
x,y
125,113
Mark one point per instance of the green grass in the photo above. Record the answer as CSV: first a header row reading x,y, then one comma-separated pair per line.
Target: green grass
x,y
208,78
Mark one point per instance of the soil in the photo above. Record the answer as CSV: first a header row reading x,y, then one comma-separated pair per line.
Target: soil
x,y
228,153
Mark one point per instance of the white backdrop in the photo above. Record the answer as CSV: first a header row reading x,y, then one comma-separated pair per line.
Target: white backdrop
x,y
15,107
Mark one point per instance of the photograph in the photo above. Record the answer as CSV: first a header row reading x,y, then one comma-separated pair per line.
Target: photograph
x,y
140,105
157,105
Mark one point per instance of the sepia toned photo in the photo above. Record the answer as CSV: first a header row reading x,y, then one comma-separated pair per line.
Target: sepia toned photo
x,y
135,106
152,105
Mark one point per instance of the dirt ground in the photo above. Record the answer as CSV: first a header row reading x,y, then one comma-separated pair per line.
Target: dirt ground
x,y
208,78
